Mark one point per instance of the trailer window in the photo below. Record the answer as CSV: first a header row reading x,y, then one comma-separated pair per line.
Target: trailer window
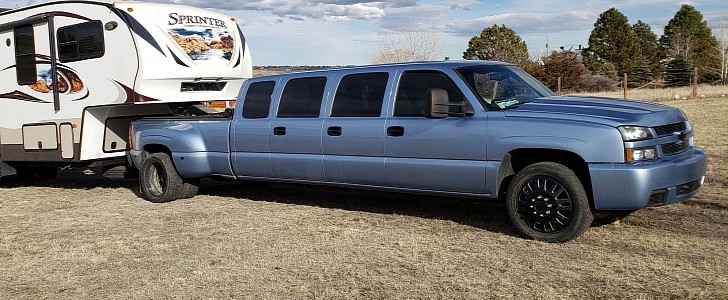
x,y
256,104
360,95
25,55
80,41
302,98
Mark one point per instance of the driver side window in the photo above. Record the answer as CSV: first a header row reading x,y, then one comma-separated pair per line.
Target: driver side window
x,y
411,97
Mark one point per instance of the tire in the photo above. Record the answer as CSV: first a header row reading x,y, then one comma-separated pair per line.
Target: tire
x,y
158,179
25,173
47,172
547,202
190,188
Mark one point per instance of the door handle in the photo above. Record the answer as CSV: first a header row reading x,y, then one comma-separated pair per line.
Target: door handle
x,y
395,131
334,131
279,131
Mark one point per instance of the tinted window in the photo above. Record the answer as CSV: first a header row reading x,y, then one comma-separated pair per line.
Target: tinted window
x,y
360,95
25,55
80,41
257,100
411,93
302,97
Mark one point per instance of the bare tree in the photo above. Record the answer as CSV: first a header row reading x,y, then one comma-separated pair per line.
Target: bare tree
x,y
722,36
411,42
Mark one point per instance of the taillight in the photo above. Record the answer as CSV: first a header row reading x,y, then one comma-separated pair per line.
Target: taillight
x,y
131,145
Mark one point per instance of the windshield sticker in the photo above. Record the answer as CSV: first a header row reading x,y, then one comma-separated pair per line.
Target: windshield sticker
x,y
506,103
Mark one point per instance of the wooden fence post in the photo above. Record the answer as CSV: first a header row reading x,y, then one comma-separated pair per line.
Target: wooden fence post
x,y
695,83
624,85
558,91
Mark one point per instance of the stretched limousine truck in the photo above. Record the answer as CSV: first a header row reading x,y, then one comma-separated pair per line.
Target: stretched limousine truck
x,y
474,128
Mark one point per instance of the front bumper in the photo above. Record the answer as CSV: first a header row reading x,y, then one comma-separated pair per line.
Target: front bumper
x,y
662,182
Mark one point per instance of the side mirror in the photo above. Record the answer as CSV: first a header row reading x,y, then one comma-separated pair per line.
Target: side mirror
x,y
438,105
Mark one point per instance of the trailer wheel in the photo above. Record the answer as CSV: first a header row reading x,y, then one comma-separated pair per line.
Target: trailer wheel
x,y
25,173
159,181
547,202
47,172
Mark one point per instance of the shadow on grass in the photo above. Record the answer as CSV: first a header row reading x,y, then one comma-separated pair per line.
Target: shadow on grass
x,y
484,214
83,179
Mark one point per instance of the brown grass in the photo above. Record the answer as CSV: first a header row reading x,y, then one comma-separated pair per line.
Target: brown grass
x,y
85,237
677,93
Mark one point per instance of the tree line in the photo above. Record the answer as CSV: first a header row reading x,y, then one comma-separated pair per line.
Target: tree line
x,y
615,47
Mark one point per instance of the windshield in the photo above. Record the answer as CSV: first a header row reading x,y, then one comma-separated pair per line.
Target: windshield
x,y
503,86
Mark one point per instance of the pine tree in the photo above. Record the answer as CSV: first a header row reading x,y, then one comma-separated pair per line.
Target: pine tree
x,y
679,72
652,51
688,36
497,43
642,74
612,41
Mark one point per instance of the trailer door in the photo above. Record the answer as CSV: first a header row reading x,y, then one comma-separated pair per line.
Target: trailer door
x,y
35,66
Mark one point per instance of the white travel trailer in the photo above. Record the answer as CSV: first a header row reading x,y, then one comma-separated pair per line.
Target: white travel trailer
x,y
74,74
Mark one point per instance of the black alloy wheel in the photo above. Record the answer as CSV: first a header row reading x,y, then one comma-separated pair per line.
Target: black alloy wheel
x,y
546,201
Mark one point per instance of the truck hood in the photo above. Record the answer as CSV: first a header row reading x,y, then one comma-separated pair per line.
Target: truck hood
x,y
608,111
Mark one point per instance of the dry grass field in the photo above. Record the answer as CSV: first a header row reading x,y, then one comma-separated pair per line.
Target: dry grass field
x,y
82,236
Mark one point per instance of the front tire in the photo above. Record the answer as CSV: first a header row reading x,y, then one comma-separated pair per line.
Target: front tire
x,y
158,179
547,202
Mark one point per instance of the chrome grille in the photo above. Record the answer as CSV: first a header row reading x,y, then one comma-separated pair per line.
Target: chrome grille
x,y
670,128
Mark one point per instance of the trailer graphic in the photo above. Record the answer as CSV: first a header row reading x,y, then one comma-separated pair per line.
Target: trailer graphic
x,y
74,74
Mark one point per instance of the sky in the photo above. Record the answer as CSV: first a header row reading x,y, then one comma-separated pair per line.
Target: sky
x,y
351,32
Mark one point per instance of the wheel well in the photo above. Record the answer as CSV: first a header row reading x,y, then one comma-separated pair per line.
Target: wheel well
x,y
516,160
156,148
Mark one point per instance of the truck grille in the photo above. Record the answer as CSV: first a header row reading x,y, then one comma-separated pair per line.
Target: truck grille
x,y
673,148
670,128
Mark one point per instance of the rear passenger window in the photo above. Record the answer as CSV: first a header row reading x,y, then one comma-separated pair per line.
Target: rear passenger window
x,y
257,100
302,97
411,93
360,95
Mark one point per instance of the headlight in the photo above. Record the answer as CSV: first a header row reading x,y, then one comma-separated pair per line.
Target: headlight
x,y
691,141
639,154
635,133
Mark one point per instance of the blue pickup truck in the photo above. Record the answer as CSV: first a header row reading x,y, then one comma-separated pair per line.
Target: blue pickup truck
x,y
471,128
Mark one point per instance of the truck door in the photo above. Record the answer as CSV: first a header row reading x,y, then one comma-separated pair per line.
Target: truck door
x,y
295,132
353,142
250,134
433,154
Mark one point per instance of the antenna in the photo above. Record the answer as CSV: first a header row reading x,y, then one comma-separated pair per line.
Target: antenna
x,y
547,45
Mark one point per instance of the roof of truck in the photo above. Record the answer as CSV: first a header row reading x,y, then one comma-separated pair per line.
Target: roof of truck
x,y
436,64
449,63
